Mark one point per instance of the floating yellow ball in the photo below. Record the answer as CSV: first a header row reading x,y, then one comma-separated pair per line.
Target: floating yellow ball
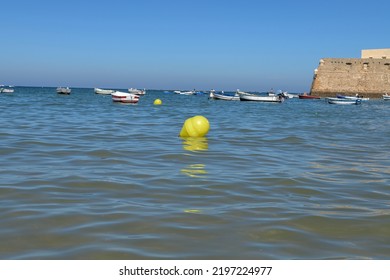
x,y
157,102
197,126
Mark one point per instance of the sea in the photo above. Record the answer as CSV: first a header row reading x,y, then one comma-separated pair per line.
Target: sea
x,y
82,177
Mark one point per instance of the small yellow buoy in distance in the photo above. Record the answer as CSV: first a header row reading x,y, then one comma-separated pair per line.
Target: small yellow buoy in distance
x,y
197,126
157,102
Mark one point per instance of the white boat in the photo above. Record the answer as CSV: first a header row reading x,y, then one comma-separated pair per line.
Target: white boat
x,y
124,97
344,101
253,97
103,91
7,90
239,92
285,94
64,90
353,97
190,92
386,96
224,96
137,91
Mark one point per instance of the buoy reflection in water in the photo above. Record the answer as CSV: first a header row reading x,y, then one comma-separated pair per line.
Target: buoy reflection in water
x,y
195,170
195,144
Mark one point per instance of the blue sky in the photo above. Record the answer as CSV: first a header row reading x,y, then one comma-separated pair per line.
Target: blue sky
x,y
179,44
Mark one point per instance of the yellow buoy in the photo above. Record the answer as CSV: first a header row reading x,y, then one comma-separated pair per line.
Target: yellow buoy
x,y
197,126
157,102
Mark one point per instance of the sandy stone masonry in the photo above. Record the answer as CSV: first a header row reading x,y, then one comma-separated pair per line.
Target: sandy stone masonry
x,y
369,77
376,53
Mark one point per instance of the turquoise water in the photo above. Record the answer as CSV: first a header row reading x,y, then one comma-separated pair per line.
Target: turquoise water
x,y
82,177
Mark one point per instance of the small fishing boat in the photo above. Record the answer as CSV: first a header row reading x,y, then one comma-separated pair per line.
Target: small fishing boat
x,y
352,97
7,90
103,91
137,91
63,90
224,96
308,96
239,92
343,101
288,95
285,94
386,96
190,92
258,98
124,97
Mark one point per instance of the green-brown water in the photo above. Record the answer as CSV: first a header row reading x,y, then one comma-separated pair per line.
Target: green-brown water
x,y
84,178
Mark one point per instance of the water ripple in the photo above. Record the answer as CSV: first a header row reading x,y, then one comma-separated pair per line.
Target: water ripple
x,y
82,178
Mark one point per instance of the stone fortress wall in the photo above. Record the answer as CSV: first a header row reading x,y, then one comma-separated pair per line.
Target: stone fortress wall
x,y
368,76
376,53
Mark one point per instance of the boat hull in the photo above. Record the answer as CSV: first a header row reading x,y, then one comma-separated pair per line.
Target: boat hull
x,y
62,90
136,91
184,92
6,90
352,97
301,96
123,97
221,96
342,101
252,97
103,91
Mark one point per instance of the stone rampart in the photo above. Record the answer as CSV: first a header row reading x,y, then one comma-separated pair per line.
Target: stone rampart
x,y
368,77
376,53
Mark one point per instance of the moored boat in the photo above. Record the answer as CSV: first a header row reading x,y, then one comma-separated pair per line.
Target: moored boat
x,y
386,96
190,92
239,92
224,96
258,98
103,91
285,94
7,90
288,95
124,97
63,90
352,97
137,91
343,101
308,96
